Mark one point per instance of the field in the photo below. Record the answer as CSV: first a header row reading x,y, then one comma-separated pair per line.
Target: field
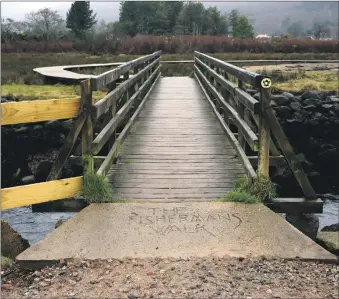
x,y
20,82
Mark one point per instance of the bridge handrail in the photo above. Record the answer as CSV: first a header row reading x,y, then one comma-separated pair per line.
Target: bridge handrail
x,y
251,78
233,106
106,78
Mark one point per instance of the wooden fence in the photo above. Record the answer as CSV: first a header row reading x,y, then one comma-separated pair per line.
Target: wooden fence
x,y
120,107
250,124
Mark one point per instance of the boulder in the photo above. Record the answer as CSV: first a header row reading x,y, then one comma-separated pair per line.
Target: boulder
x,y
43,171
331,228
312,101
12,243
310,107
310,94
308,224
329,240
284,112
333,99
280,100
296,106
288,95
298,117
326,106
52,124
67,125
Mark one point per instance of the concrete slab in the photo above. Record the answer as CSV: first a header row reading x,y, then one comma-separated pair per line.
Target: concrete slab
x,y
103,231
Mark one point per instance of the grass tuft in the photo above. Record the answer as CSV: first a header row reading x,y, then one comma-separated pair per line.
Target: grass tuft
x,y
6,262
96,189
240,196
251,191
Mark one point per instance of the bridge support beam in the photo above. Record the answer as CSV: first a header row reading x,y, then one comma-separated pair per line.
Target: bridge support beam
x,y
264,135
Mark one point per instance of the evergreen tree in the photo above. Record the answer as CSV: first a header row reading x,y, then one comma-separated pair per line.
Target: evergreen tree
x,y
233,18
80,18
242,28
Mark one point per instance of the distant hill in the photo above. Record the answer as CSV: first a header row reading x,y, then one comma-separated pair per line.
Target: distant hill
x,y
266,17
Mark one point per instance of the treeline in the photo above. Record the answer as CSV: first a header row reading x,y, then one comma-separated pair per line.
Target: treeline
x,y
136,17
177,44
174,27
179,18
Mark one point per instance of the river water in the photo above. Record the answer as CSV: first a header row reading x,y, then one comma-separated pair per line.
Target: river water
x,y
35,226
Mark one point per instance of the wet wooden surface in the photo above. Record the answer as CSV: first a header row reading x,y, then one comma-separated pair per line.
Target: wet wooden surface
x,y
176,150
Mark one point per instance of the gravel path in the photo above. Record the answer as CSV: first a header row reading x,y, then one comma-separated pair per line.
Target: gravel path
x,y
176,278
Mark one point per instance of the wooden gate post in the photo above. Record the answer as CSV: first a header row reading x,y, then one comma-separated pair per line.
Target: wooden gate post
x,y
264,134
87,130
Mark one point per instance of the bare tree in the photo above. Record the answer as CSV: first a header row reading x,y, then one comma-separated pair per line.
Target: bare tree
x,y
46,24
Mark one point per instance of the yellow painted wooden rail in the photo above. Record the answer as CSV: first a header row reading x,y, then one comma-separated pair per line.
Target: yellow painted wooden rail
x,y
41,192
40,110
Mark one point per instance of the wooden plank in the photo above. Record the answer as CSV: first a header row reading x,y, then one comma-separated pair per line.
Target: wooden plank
x,y
296,205
105,78
242,74
109,129
39,110
41,192
103,105
287,150
242,156
116,147
243,128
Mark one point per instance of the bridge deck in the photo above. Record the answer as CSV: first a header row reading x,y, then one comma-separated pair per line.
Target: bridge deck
x,y
176,150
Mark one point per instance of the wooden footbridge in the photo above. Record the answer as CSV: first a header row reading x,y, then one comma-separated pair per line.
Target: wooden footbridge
x,y
161,139
178,144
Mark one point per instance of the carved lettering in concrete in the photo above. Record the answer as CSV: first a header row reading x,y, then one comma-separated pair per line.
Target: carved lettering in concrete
x,y
184,220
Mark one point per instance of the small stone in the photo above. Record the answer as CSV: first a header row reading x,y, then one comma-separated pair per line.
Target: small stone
x,y
36,279
6,286
269,291
72,282
43,284
37,273
93,281
29,179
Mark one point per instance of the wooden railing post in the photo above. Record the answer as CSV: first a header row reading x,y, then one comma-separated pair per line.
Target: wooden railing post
x,y
87,130
264,134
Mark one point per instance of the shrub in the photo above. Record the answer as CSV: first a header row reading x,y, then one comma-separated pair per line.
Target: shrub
x,y
142,44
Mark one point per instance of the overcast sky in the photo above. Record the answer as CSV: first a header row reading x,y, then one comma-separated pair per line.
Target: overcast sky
x,y
107,10
18,10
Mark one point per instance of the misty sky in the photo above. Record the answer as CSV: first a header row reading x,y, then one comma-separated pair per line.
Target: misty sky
x,y
18,10
108,10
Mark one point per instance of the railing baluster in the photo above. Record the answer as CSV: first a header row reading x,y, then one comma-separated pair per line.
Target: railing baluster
x,y
87,130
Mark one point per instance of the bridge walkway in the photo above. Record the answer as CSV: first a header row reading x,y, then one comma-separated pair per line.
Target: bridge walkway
x,y
176,151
